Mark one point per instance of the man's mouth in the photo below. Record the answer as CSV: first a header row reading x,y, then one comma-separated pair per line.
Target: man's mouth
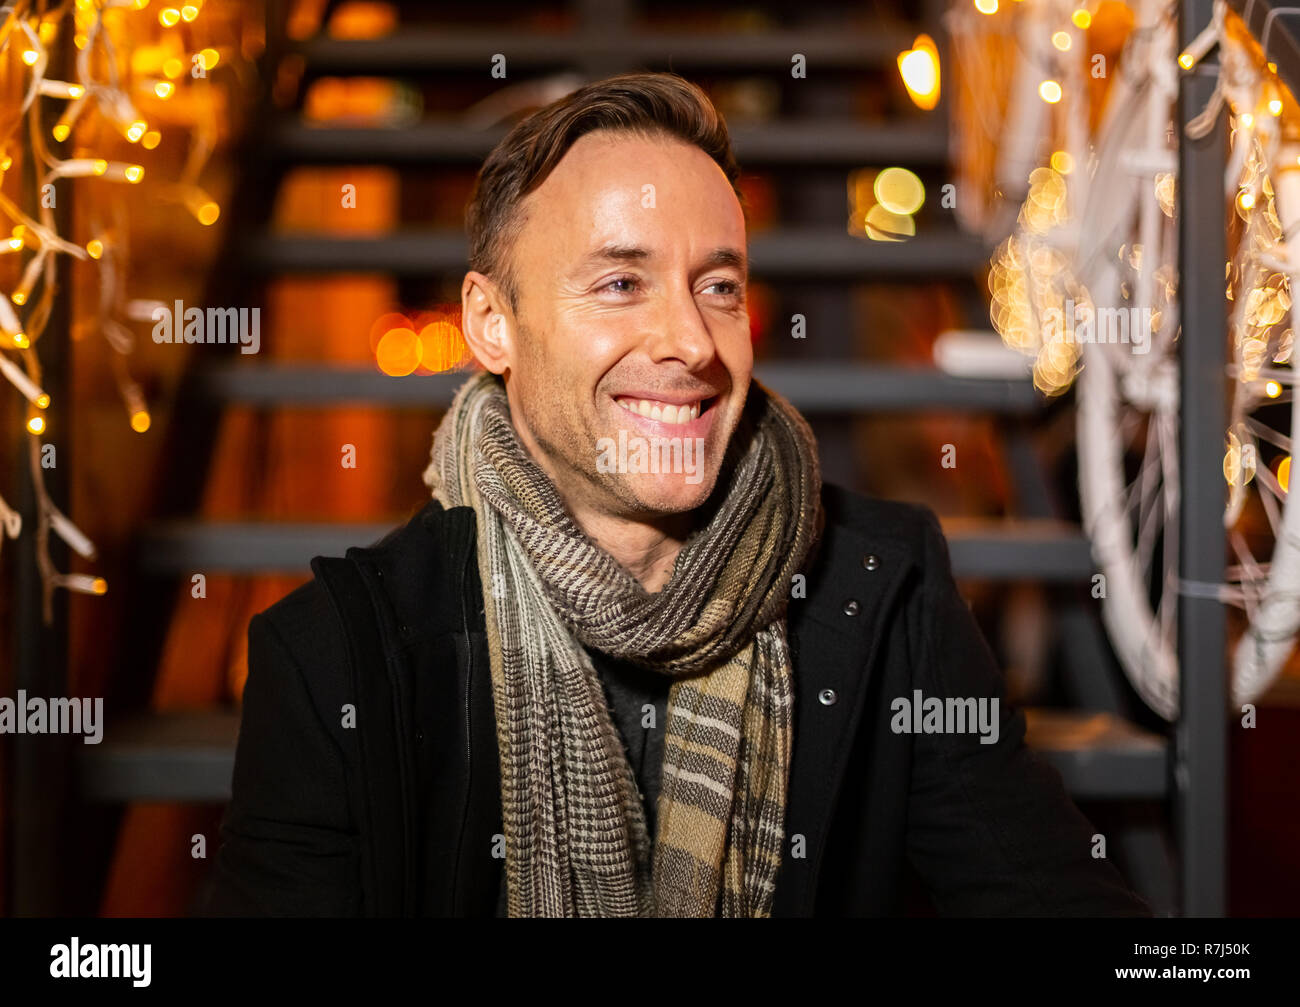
x,y
666,412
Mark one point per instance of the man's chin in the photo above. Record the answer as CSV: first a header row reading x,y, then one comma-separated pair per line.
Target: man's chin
x,y
676,493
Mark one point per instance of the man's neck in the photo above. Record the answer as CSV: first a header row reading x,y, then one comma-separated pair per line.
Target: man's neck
x,y
646,549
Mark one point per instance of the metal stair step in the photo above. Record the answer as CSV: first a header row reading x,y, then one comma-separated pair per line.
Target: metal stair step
x,y
793,253
439,50
177,756
1033,549
1099,755
189,756
804,143
814,387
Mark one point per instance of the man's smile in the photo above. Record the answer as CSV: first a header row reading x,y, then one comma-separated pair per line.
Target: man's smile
x,y
679,415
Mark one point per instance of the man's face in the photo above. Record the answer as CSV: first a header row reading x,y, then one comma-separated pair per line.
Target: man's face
x,y
631,326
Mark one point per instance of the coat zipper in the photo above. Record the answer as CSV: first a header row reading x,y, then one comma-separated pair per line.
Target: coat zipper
x,y
469,762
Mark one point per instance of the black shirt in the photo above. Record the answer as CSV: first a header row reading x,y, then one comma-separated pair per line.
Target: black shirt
x,y
629,690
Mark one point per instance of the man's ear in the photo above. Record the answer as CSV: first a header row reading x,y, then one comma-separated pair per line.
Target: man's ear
x,y
487,322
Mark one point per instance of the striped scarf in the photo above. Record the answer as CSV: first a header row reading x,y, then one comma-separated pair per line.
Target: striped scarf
x,y
575,829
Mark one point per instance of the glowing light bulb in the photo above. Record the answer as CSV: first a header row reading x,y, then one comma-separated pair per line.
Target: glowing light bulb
x,y
1049,91
1082,19
168,16
919,68
30,56
1273,389
36,424
94,248
140,420
163,89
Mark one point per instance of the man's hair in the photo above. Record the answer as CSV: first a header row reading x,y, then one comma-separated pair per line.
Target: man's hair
x,y
648,104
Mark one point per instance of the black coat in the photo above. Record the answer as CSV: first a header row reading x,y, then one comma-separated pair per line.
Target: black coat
x,y
399,815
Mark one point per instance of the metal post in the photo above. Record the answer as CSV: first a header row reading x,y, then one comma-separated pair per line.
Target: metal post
x,y
1200,762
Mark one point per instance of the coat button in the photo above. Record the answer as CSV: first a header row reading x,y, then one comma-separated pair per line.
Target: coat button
x,y
851,607
871,561
827,697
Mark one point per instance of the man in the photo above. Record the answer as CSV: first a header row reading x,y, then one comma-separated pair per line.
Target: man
x,y
634,659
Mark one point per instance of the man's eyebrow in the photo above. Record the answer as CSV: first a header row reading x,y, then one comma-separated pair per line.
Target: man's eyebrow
x,y
615,253
727,257
636,253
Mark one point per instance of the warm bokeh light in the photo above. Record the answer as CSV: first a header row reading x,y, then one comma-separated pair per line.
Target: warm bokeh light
x,y
391,320
398,353
1062,40
442,346
36,424
1272,389
1082,19
1061,161
1284,474
885,225
919,68
140,421
1049,91
899,190
986,6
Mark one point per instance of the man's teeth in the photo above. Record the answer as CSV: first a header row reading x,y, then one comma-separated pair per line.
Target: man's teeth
x,y
664,412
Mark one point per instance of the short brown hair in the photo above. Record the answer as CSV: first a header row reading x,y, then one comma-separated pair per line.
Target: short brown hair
x,y
642,103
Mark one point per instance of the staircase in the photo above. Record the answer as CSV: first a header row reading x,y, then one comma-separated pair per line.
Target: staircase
x,y
807,257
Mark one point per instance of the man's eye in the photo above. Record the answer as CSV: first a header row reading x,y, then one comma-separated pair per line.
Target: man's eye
x,y
621,285
730,287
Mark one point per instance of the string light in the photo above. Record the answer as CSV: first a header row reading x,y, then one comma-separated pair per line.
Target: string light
x,y
107,66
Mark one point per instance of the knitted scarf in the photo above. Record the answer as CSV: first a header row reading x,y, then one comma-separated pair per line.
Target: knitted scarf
x,y
575,830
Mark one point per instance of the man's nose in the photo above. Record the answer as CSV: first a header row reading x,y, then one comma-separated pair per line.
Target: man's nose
x,y
680,333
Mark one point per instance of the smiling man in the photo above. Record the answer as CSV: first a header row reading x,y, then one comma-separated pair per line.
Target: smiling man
x,y
658,680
